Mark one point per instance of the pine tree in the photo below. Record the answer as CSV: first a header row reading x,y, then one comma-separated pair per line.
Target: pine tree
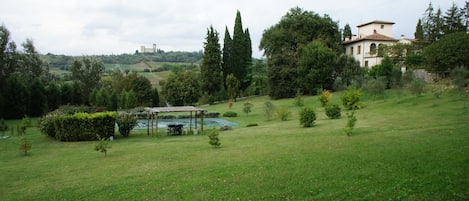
x,y
211,74
453,20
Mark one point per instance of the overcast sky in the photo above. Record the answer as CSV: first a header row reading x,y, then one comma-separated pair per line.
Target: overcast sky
x,y
88,27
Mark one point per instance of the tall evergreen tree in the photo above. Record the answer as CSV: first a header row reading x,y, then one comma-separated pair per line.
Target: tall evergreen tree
x,y
453,20
241,53
418,34
210,69
347,32
227,63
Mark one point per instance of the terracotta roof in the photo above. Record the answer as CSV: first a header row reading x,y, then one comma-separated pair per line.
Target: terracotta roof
x,y
375,22
374,37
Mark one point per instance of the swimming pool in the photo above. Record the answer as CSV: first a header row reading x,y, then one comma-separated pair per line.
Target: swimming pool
x,y
163,123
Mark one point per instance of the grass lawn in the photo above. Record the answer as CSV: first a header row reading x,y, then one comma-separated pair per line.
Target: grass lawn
x,y
402,149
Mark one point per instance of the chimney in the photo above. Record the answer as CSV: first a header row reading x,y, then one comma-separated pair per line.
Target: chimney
x,y
402,36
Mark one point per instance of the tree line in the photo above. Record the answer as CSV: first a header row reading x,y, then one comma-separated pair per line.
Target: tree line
x,y
28,88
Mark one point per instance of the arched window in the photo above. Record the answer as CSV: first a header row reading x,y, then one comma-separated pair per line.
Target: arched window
x,y
373,48
380,50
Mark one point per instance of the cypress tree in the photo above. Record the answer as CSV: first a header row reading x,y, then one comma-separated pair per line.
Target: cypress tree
x,y
227,64
211,74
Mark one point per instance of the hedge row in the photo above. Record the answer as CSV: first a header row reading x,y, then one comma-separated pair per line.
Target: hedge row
x,y
78,126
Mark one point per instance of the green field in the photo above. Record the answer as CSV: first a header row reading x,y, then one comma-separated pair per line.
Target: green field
x,y
402,149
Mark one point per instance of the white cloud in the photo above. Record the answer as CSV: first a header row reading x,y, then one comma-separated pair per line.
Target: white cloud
x,y
80,27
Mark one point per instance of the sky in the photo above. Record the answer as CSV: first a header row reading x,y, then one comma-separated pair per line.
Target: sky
x,y
96,27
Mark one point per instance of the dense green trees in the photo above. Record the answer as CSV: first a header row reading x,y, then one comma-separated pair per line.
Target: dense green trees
x,y
283,46
182,88
448,53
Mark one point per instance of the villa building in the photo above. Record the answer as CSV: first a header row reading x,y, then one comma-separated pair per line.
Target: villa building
x,y
365,46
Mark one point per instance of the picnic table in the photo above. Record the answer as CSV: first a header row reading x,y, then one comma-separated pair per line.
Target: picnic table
x,y
174,129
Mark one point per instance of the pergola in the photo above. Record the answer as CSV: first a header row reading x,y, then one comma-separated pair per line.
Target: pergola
x,y
154,111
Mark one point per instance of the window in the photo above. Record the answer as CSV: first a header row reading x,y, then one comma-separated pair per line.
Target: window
x,y
366,63
382,26
373,48
351,50
359,49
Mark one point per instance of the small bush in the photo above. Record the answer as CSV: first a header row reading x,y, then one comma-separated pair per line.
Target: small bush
x,y
307,117
213,139
252,125
299,99
225,128
325,97
230,114
126,122
351,99
333,111
247,108
283,113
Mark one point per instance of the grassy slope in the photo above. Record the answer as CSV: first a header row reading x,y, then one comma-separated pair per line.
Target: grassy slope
x,y
415,150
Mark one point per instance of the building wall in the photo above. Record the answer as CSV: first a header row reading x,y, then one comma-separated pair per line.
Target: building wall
x,y
383,29
361,52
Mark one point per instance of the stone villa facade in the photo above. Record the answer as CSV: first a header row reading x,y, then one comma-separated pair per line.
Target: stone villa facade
x,y
365,45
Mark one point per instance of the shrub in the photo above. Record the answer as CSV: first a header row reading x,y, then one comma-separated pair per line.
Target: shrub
x,y
375,87
79,126
417,87
3,126
299,99
351,99
247,108
333,111
225,128
283,113
252,125
126,122
25,145
307,117
325,97
230,114
351,121
213,139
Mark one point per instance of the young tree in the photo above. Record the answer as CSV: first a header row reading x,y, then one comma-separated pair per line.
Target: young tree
x,y
210,69
232,85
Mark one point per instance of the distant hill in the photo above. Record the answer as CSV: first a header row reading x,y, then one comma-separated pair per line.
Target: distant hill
x,y
63,61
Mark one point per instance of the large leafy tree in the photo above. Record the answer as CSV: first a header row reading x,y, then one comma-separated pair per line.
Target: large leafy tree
x,y
181,88
87,72
348,69
210,70
283,44
316,66
448,53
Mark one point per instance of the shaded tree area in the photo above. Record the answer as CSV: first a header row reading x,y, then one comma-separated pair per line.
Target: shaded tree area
x,y
181,88
283,46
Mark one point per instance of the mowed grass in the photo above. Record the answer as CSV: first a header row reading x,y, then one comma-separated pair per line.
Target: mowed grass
x,y
402,149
